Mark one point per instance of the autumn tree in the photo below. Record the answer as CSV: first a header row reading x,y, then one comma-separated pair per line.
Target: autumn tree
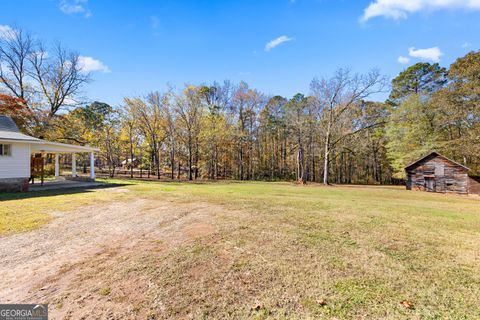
x,y
338,96
15,108
246,103
129,132
149,115
170,129
216,99
190,113
273,138
297,109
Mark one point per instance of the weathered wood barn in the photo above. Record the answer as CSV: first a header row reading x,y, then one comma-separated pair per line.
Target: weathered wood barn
x,y
437,173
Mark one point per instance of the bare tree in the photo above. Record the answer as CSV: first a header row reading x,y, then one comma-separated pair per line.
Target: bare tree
x,y
337,96
16,47
59,76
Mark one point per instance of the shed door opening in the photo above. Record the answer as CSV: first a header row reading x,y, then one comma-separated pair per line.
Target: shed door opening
x,y
430,184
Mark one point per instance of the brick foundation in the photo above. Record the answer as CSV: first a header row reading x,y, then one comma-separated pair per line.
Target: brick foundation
x,y
13,184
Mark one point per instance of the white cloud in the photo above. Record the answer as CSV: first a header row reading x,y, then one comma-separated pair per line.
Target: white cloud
x,y
7,32
403,60
276,42
397,9
466,45
432,54
89,64
75,6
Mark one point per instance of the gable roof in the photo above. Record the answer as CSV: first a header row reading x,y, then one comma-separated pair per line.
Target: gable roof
x,y
436,154
10,131
7,124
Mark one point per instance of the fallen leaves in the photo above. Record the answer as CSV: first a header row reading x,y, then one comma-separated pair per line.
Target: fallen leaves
x,y
322,302
407,304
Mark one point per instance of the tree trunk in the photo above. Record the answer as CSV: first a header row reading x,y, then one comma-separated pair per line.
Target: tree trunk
x,y
326,159
215,167
172,161
196,158
158,163
190,159
131,158
241,163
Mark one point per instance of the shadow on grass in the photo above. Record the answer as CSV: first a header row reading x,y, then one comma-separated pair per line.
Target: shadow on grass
x,y
154,179
169,180
57,192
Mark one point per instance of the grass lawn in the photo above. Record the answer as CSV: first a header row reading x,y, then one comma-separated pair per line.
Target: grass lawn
x,y
283,251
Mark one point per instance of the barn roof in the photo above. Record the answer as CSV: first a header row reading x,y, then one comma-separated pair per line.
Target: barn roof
x,y
435,154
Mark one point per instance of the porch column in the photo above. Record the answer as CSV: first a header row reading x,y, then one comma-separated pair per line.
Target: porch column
x,y
74,164
57,165
92,165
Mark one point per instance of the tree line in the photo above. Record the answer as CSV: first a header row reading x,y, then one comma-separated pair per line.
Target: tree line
x,y
223,130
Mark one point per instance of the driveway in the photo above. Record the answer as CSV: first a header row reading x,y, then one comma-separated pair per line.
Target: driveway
x,y
33,262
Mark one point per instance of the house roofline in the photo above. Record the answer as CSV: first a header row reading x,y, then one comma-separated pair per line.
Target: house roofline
x,y
46,143
19,140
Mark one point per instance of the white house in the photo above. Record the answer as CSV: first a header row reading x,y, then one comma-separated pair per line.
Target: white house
x,y
16,150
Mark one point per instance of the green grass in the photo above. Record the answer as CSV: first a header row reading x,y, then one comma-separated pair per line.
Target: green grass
x,y
280,248
104,291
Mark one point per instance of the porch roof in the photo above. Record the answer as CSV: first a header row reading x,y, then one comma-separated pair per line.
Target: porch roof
x,y
9,132
57,147
39,145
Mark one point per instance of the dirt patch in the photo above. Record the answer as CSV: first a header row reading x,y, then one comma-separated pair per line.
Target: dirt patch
x,y
198,230
45,264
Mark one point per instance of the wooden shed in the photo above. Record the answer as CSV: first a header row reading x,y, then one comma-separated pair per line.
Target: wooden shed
x,y
437,173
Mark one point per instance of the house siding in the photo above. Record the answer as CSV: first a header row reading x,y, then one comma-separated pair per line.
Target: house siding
x,y
17,165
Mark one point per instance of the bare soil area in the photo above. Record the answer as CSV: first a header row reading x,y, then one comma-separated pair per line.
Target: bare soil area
x,y
49,264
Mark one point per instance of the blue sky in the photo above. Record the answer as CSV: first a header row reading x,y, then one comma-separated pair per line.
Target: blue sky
x,y
134,47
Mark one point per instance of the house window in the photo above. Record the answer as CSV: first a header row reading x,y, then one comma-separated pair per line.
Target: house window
x,y
5,149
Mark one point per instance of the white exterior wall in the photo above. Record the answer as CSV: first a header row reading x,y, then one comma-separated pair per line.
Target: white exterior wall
x,y
18,164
